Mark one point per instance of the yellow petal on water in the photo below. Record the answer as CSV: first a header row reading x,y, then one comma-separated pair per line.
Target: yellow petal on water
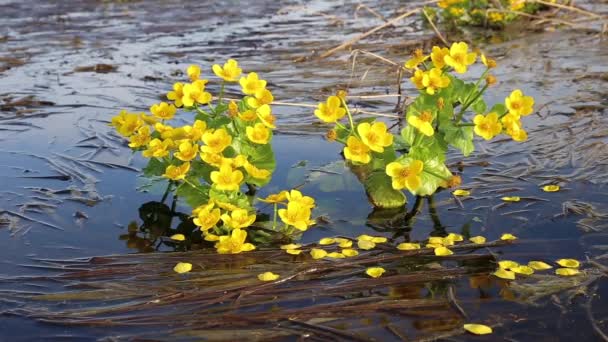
x,y
551,188
433,245
443,251
365,237
508,237
504,274
507,264
455,237
523,269
477,329
344,243
567,272
570,263
327,241
408,246
178,237
511,198
366,244
539,265
436,240
336,255
379,239
268,276
375,272
349,252
183,267
461,192
291,246
293,251
478,239
318,253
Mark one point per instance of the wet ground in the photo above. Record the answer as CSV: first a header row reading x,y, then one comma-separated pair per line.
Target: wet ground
x,y
68,184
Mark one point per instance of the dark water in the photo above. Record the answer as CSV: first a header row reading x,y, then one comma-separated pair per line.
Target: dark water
x,y
48,53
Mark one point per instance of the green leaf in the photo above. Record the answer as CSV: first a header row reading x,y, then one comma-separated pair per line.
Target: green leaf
x,y
237,199
155,167
499,109
194,196
479,106
434,174
460,137
409,135
381,193
217,122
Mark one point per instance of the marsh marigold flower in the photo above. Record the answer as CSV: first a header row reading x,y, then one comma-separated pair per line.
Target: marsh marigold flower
x,y
331,110
206,216
459,57
375,136
417,58
251,84
158,148
296,215
437,56
226,178
186,151
496,17
423,123
126,123
513,127
488,62
163,110
275,198
195,93
417,79
229,72
238,218
176,94
175,172
296,196
357,151
255,172
516,5
216,141
518,104
487,126
234,243
258,134
260,98
448,3
264,113
249,115
194,72
405,176
196,131
140,138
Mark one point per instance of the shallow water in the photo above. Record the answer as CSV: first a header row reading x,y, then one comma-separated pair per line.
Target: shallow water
x,y
49,51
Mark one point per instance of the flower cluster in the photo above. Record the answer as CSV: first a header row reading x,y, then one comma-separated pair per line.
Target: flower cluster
x,y
209,161
435,120
485,13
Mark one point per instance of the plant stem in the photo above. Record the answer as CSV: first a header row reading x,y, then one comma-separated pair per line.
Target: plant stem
x,y
467,103
274,220
219,98
350,117
166,192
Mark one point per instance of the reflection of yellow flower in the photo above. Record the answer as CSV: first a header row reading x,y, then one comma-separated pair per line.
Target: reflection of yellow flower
x,y
375,136
187,151
226,178
229,72
251,84
417,58
238,218
331,110
487,126
206,216
163,110
216,141
175,173
176,94
234,244
405,176
296,215
519,104
357,151
423,122
459,57
437,56
258,134
194,72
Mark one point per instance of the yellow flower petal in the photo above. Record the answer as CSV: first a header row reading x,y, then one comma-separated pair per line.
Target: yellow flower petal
x,y
336,255
183,267
551,188
327,241
408,246
349,252
511,198
507,264
570,263
293,251
268,276
379,239
365,244
461,192
344,243
478,239
455,237
375,272
443,251
567,272
508,237
504,274
478,329
539,265
365,237
522,269
318,253
178,237
291,246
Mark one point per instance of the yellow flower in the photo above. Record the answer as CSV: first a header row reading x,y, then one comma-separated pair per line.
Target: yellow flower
x,y
366,244
437,56
508,237
275,198
227,179
140,138
255,172
456,11
258,134
296,215
175,173
349,252
230,72
177,237
478,239
496,17
375,136
487,126
182,267
448,3
477,329
567,272
195,93
417,78
126,123
213,159
546,188
260,98
158,148
251,84
511,198
234,244
423,123
267,276
407,246
296,196
148,119
443,251
405,176
293,251
327,241
331,110
434,80
216,141
519,104
490,80
513,127
248,115
176,94
522,269
318,253
264,113
187,151
375,272
163,110
539,265
569,263
459,57
196,131
194,72
508,264
238,218
417,58
357,151
461,192
516,5
206,216
504,274
488,62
